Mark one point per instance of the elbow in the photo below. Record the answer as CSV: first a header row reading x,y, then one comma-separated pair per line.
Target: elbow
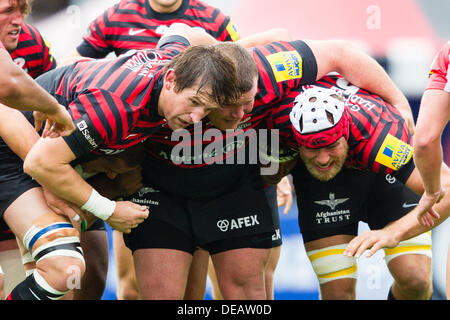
x,y
35,165
10,90
424,143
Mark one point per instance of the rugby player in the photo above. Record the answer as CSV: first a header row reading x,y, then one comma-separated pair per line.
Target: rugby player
x,y
17,88
434,114
190,210
333,195
118,103
137,25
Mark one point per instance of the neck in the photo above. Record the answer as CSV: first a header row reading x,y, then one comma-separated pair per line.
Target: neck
x,y
164,8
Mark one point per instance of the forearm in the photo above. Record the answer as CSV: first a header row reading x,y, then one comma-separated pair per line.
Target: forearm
x,y
428,160
408,226
16,131
374,79
60,179
18,90
49,163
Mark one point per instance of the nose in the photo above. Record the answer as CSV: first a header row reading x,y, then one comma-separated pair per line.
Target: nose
x,y
322,156
198,114
238,112
18,18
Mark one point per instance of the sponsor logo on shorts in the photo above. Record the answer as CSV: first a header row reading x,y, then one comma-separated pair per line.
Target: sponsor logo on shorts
x,y
409,205
325,217
277,235
239,223
332,202
146,190
394,153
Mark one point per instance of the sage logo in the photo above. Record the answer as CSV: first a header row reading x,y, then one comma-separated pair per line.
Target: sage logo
x,y
239,223
83,127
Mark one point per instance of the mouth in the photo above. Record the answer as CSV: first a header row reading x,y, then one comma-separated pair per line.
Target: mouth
x,y
324,168
14,34
183,122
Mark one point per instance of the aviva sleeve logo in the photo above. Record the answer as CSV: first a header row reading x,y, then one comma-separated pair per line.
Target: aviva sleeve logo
x,y
286,65
232,30
394,153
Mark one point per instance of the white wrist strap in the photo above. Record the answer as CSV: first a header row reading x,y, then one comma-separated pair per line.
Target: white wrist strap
x,y
99,206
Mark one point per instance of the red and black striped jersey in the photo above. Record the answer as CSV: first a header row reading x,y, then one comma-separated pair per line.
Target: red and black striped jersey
x,y
33,53
133,24
113,102
378,141
282,66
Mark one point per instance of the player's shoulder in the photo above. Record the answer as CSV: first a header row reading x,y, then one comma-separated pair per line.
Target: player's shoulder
x,y
29,31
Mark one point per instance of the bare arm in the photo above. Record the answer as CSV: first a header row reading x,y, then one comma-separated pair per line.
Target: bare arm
x,y
49,163
344,57
16,131
434,113
18,90
265,37
406,227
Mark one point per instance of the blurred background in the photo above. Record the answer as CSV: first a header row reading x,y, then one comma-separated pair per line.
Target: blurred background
x,y
403,35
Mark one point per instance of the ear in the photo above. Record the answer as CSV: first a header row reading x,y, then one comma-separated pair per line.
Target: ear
x,y
170,79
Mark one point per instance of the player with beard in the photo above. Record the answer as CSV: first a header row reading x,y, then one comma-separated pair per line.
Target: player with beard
x,y
340,141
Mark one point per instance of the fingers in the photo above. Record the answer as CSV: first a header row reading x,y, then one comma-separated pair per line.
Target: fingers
x,y
366,241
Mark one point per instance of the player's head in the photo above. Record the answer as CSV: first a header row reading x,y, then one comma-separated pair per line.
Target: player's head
x,y
229,116
165,6
321,128
197,81
12,15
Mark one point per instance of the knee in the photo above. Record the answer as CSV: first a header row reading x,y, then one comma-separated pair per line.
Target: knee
x,y
58,255
414,282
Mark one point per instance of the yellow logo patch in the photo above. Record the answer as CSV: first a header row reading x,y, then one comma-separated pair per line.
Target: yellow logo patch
x,y
286,65
394,153
232,30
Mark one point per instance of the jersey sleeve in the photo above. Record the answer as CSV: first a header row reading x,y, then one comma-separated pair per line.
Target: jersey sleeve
x,y
389,146
439,77
282,67
101,119
95,43
44,60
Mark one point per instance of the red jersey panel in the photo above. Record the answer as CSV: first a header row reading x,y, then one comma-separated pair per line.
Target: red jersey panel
x,y
113,101
439,77
33,53
282,66
133,24
378,139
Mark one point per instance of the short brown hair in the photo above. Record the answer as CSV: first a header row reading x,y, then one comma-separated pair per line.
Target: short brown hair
x,y
24,5
206,65
246,67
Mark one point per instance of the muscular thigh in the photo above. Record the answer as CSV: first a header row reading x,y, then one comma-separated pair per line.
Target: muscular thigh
x,y
29,209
